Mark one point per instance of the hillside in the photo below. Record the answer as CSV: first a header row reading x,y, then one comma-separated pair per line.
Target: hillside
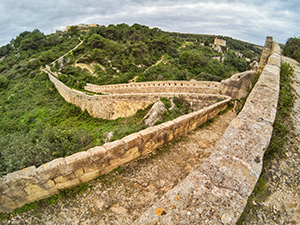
x,y
37,122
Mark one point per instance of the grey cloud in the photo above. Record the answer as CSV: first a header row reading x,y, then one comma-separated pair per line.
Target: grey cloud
x,y
246,20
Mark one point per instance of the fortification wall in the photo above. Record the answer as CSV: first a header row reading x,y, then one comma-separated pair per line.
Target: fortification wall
x,y
204,87
236,86
31,184
217,192
123,105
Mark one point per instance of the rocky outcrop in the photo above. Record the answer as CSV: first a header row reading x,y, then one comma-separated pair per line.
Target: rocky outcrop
x,y
154,114
238,85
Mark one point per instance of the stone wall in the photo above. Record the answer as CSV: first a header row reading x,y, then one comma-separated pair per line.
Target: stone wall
x,y
31,184
265,54
236,86
123,105
204,87
217,192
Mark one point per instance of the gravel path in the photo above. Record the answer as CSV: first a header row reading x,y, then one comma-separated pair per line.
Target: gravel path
x,y
122,196
282,206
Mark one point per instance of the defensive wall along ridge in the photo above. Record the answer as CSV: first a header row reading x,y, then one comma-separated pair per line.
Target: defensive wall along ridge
x,y
31,184
217,192
123,100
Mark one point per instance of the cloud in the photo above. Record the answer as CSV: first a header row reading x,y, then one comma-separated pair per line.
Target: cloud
x,y
250,21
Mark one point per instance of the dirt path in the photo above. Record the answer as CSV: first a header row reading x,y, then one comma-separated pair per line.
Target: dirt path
x,y
122,196
159,61
282,205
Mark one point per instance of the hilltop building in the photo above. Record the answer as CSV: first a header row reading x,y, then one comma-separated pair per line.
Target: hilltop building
x,y
220,42
82,27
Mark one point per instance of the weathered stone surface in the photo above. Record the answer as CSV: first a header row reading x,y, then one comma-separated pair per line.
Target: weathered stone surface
x,y
66,181
52,169
3,185
78,161
237,86
154,114
114,150
267,50
195,201
261,105
182,126
21,178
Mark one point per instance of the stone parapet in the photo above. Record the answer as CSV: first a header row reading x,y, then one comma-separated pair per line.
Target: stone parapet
x,y
217,192
204,87
123,105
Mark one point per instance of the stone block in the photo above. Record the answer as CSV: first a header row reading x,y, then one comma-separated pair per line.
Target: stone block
x,y
148,140
160,137
40,195
182,126
132,140
261,105
98,154
245,140
15,194
3,185
66,181
89,176
21,178
78,161
33,188
169,130
274,60
48,184
269,79
52,169
114,149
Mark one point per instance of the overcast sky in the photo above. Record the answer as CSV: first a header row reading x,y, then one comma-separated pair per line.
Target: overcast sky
x,y
247,20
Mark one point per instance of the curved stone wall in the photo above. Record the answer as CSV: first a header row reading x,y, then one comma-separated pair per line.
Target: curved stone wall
x,y
217,192
123,105
204,87
236,86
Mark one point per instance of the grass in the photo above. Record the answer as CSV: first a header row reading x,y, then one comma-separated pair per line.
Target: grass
x,y
276,148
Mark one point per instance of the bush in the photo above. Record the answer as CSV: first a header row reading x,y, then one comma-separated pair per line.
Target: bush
x,y
292,48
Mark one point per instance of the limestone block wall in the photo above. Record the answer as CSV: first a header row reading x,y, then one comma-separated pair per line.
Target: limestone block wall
x,y
123,105
236,86
31,184
204,87
217,192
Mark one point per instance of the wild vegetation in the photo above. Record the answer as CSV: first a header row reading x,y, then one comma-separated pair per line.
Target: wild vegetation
x,y
37,122
292,48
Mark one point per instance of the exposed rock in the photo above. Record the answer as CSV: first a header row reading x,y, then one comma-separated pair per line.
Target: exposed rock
x,y
217,48
254,65
108,136
154,114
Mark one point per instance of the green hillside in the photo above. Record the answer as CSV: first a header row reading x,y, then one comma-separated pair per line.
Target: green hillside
x,y
37,125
